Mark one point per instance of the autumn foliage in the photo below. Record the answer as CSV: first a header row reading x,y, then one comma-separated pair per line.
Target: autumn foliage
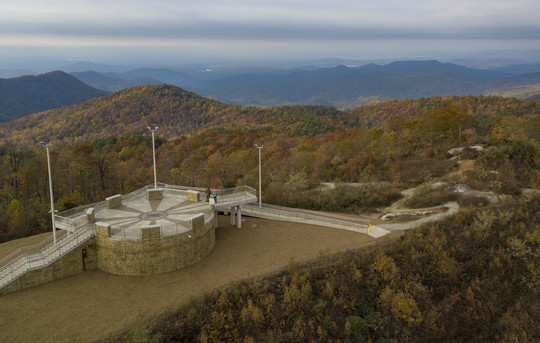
x,y
472,278
304,146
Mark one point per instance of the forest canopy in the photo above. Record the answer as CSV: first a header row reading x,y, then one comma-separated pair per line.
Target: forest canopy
x,y
400,142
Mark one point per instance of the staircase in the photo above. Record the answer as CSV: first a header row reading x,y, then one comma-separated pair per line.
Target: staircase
x,y
25,259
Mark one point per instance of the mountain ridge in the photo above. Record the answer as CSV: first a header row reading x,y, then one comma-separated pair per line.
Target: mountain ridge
x,y
28,94
344,87
179,112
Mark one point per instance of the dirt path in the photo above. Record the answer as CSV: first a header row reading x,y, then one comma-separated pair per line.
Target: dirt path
x,y
92,305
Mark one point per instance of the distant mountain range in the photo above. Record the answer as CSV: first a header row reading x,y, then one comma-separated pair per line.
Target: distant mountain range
x,y
341,87
113,83
24,95
178,112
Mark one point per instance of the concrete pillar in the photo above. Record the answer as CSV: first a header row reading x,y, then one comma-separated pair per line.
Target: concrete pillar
x,y
232,215
154,194
193,196
239,217
215,219
103,229
90,215
114,201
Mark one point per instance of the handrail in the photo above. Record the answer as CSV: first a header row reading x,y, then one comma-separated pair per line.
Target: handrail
x,y
98,205
135,194
235,190
50,253
126,234
180,192
174,229
297,216
80,209
6,259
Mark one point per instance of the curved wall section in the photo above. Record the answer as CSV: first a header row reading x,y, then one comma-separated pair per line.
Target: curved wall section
x,y
153,254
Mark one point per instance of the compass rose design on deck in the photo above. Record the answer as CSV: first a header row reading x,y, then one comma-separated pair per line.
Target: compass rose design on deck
x,y
138,212
153,215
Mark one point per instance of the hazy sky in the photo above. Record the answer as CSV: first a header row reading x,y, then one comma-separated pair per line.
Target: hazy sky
x,y
167,31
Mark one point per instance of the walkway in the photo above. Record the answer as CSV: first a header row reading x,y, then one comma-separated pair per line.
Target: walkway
x,y
316,218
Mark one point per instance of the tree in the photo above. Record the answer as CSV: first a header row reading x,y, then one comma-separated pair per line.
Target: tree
x,y
16,218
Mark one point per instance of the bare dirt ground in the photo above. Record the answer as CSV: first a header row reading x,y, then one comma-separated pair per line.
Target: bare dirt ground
x,y
8,247
93,305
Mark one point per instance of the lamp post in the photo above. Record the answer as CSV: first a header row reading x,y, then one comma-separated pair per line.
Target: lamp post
x,y
260,194
47,146
154,153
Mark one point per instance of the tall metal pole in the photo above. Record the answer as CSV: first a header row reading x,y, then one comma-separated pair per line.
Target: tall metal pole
x,y
154,154
46,146
260,194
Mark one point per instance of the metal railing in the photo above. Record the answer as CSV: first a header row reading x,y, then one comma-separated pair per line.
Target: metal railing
x,y
236,190
73,212
235,194
32,249
174,229
183,188
135,194
73,223
26,261
128,234
175,192
296,216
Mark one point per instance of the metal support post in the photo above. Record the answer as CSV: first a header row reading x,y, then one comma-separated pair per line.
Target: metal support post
x,y
46,146
154,153
260,194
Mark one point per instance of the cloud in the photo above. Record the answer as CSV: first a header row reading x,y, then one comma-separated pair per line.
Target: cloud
x,y
274,19
287,24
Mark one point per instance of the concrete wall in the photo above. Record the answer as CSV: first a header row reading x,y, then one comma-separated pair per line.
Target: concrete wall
x,y
70,264
153,254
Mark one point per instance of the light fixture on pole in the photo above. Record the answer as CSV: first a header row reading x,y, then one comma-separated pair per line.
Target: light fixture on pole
x,y
47,146
154,153
260,194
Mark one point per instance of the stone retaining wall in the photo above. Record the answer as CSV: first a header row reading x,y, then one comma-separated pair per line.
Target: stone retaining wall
x,y
70,264
153,254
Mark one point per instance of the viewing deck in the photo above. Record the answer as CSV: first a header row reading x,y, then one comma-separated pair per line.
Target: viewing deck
x,y
174,211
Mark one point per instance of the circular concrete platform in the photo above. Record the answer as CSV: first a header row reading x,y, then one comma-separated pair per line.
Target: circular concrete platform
x,y
152,232
172,213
